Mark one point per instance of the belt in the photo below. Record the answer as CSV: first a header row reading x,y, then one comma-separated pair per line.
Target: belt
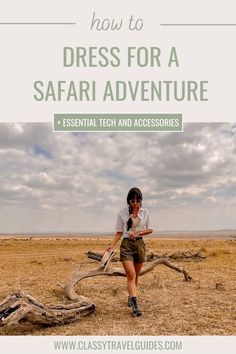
x,y
136,238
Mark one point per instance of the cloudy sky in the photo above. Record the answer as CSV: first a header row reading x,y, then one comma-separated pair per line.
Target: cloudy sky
x,y
58,182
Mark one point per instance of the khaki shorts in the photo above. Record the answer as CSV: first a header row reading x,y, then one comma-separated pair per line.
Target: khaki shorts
x,y
133,250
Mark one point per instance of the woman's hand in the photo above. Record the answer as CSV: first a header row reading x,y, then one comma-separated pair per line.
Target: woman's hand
x,y
114,242
133,235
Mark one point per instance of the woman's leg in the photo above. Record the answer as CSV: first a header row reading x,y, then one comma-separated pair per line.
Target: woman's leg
x,y
137,267
131,277
130,271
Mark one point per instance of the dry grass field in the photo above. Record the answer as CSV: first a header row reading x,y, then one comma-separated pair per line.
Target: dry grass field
x,y
171,306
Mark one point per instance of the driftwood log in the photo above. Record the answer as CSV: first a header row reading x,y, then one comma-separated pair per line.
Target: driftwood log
x,y
180,255
105,269
21,308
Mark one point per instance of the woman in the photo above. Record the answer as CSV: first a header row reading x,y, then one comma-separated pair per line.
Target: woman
x,y
133,222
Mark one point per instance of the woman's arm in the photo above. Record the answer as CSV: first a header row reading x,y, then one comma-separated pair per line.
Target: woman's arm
x,y
145,232
117,237
148,229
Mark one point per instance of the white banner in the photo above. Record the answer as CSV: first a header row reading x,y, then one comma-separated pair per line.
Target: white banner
x,y
107,344
155,57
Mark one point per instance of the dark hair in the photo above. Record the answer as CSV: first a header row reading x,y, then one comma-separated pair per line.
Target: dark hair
x,y
134,193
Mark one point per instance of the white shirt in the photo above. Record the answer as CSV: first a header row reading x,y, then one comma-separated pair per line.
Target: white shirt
x,y
123,217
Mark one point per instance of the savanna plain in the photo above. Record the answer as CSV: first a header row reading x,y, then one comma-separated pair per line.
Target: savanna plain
x,y
170,305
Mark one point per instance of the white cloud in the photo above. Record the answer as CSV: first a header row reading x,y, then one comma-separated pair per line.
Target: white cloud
x,y
73,182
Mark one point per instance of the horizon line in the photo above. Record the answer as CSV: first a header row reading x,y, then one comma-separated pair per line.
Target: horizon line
x,y
110,232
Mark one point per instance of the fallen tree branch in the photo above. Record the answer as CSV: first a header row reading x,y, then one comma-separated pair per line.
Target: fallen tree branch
x,y
106,269
182,255
21,308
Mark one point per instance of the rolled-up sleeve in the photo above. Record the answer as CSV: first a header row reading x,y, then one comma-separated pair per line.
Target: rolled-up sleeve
x,y
149,222
119,224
